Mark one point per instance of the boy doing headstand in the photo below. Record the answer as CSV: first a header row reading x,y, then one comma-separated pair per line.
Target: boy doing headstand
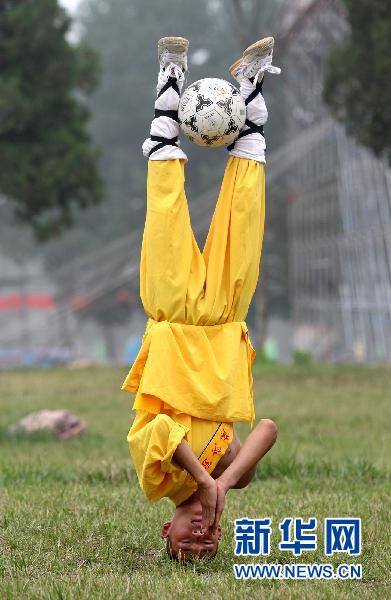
x,y
193,373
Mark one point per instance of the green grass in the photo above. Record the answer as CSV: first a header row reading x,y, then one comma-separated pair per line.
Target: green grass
x,y
73,523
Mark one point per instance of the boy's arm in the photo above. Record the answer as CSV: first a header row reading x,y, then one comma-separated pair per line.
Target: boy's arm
x,y
207,488
242,469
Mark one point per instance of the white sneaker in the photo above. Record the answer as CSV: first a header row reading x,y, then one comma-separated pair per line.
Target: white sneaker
x,y
256,60
172,53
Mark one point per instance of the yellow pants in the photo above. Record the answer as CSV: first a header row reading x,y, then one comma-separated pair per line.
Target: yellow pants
x,y
196,356
180,283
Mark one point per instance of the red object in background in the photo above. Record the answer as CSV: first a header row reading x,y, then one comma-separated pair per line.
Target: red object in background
x,y
40,301
10,302
32,301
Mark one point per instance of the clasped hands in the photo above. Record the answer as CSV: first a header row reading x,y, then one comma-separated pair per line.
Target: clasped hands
x,y
211,493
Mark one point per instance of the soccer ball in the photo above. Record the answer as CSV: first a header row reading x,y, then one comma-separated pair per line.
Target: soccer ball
x,y
211,112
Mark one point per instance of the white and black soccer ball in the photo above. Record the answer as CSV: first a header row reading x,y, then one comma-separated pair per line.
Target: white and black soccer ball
x,y
211,112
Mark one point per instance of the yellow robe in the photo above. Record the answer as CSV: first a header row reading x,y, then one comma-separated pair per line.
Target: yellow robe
x,y
196,356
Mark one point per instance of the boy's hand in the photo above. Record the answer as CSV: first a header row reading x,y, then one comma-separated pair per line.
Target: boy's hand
x,y
222,489
207,494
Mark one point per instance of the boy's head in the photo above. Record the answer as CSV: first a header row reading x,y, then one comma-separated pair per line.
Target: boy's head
x,y
185,536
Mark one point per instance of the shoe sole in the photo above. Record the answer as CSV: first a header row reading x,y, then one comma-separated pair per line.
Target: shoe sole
x,y
234,66
173,44
263,46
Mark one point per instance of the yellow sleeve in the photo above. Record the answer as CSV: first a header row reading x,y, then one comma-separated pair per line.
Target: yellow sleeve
x,y
153,440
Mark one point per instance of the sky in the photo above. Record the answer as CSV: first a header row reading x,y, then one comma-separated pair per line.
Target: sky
x,y
70,5
75,32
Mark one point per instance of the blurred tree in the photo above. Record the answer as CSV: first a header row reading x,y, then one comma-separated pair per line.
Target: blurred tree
x,y
358,75
247,27
252,16
48,165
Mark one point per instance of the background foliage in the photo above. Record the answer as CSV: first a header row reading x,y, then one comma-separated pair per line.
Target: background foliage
x,y
48,164
358,78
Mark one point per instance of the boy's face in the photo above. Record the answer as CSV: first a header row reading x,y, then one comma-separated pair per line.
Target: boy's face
x,y
186,536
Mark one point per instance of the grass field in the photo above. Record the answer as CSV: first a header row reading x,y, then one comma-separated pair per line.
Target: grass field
x,y
73,523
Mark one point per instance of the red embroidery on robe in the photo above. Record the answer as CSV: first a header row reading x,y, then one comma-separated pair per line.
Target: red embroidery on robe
x,y
224,435
216,450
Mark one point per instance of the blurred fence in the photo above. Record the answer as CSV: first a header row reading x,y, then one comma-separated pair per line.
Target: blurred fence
x,y
339,208
339,215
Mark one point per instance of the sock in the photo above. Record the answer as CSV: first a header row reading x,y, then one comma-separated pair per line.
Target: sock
x,y
250,142
163,141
